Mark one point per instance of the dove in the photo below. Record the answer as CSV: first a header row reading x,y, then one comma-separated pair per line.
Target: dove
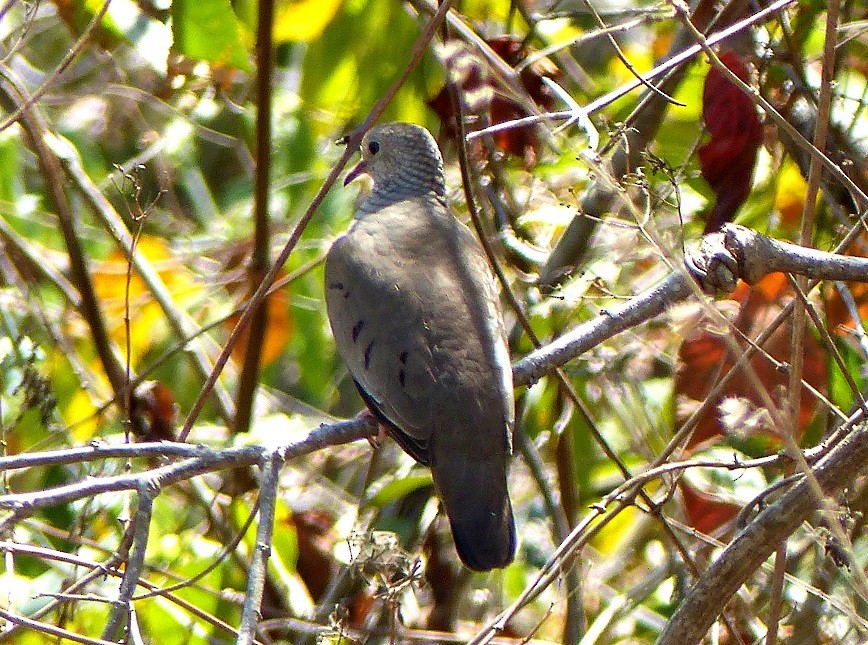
x,y
415,314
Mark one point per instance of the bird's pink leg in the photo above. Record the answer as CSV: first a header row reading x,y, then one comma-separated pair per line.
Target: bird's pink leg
x,y
376,440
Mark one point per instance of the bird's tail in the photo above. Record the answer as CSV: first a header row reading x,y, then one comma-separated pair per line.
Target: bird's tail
x,y
475,496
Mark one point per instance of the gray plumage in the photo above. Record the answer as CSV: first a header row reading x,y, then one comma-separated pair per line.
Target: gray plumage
x,y
415,314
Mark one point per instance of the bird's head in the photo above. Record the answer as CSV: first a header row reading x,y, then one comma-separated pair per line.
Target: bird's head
x,y
402,159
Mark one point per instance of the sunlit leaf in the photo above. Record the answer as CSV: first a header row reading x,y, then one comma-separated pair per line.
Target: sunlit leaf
x,y
147,322
611,538
80,414
279,329
209,30
398,488
78,14
10,179
302,20
790,194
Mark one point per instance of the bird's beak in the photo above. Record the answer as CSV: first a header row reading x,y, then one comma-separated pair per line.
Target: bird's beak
x,y
360,169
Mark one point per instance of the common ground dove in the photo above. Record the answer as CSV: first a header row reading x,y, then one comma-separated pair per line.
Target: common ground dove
x,y
415,314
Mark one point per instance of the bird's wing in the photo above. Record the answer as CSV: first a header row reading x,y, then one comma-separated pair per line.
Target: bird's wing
x,y
415,316
376,285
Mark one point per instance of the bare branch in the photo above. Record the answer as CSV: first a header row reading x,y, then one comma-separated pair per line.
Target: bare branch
x,y
532,367
352,141
122,607
706,599
270,470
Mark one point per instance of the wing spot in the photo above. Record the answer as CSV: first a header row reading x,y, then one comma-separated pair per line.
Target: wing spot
x,y
402,377
368,354
357,329
403,359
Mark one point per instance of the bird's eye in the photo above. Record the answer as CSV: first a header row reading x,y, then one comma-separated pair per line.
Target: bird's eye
x,y
373,147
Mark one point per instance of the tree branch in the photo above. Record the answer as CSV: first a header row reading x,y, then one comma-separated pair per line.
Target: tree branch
x,y
122,607
270,472
744,555
248,381
353,141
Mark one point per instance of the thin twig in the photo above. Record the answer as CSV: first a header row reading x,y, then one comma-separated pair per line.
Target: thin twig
x,y
797,338
757,541
270,472
773,114
642,308
99,570
47,628
674,61
224,553
15,94
182,325
575,623
51,79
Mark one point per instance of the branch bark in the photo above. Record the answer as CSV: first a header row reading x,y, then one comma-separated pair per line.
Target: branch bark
x,y
270,473
707,598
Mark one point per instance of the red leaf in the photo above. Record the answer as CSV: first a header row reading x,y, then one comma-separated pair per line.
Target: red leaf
x,y
705,512
728,159
315,564
487,99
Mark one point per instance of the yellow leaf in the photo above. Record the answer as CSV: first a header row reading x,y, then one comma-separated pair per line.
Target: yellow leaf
x,y
790,194
641,60
303,20
612,537
147,323
81,417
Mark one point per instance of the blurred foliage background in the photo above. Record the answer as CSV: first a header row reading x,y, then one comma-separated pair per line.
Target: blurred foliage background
x,y
135,129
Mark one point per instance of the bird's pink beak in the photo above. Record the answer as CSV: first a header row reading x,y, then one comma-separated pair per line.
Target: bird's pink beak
x,y
360,169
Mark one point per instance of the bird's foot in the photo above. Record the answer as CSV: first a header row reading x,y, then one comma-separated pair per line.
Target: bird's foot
x,y
376,440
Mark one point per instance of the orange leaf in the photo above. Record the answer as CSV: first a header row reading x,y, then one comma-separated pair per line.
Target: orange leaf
x,y
278,331
147,322
706,357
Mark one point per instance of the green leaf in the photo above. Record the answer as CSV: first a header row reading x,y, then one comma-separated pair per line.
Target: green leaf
x,y
398,488
209,30
11,185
